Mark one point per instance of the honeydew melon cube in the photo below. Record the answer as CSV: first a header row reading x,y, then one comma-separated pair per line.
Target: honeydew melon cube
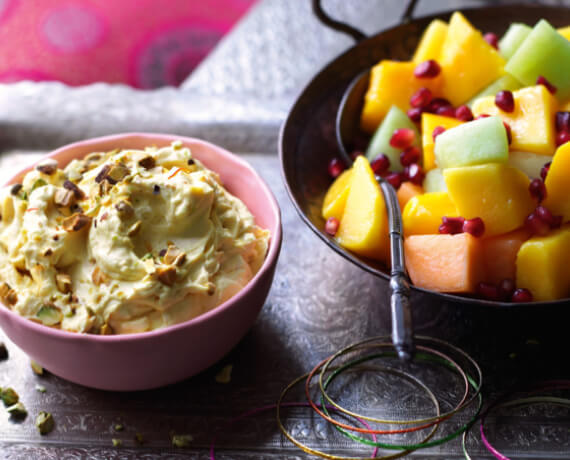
x,y
529,163
392,83
506,82
429,122
477,142
434,181
380,142
531,121
468,62
544,52
512,39
431,43
495,192
558,184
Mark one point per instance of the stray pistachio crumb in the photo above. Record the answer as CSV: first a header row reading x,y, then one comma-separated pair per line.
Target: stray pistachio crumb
x,y
139,439
9,396
181,440
117,442
3,352
44,422
41,388
225,374
17,410
119,427
39,370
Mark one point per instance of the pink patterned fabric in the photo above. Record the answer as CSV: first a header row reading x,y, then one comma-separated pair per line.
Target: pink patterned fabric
x,y
144,43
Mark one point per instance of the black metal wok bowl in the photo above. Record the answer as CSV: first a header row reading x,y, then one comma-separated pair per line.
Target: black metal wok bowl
x,y
307,140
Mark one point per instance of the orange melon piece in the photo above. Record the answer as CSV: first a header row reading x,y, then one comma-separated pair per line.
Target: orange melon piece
x,y
407,191
500,255
391,83
444,263
429,122
431,42
335,198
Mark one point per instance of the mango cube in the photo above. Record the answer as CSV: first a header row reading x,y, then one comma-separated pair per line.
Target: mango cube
x,y
429,122
531,122
364,225
495,192
391,83
335,198
467,61
542,266
431,43
422,214
558,184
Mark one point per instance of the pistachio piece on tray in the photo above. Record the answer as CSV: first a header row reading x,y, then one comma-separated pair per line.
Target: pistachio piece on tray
x,y
117,442
17,410
181,440
38,370
9,396
44,422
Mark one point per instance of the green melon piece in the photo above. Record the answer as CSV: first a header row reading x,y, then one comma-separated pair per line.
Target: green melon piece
x,y
528,162
396,118
514,36
434,181
474,143
506,82
544,52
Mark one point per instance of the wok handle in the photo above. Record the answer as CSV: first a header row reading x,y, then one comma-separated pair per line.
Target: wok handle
x,y
355,33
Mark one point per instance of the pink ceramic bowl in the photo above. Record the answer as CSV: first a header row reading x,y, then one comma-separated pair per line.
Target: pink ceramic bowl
x,y
153,359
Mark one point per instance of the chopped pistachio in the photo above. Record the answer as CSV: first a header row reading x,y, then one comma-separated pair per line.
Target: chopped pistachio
x,y
211,288
102,173
16,188
148,162
77,192
64,198
139,439
181,440
98,277
225,374
9,396
63,282
3,352
41,388
48,252
38,183
135,229
49,167
117,442
119,427
8,295
174,255
17,410
44,422
38,370
104,188
125,210
106,330
167,275
76,222
148,255
49,315
117,172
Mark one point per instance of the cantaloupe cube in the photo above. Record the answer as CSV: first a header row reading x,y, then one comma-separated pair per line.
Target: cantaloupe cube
x,y
500,254
532,120
495,192
407,191
429,122
431,42
423,213
558,183
444,263
467,61
391,83
542,266
565,32
363,228
335,198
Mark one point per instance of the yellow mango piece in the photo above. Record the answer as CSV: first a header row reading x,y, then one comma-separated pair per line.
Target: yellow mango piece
x,y
364,225
495,192
565,32
429,123
531,122
335,198
542,266
468,62
422,214
558,184
391,83
431,43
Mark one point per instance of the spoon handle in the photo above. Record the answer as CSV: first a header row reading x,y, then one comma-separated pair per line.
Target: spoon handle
x,y
402,327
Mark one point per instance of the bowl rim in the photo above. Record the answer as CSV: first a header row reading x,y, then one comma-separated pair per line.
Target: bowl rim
x,y
361,263
268,263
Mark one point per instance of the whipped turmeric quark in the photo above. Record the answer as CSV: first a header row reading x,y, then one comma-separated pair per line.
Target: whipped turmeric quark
x,y
124,241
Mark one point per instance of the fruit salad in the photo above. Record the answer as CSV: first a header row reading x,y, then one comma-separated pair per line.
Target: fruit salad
x,y
474,134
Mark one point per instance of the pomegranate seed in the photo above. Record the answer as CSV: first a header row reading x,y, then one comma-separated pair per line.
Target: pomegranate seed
x,y
536,225
463,113
544,215
380,164
355,154
410,155
549,86
415,114
436,104
427,69
331,225
414,173
562,137
506,288
402,138
544,170
421,98
537,189
475,227
562,121
522,295
488,291
395,179
437,131
492,39
509,132
446,111
482,115
505,101
336,167
451,225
